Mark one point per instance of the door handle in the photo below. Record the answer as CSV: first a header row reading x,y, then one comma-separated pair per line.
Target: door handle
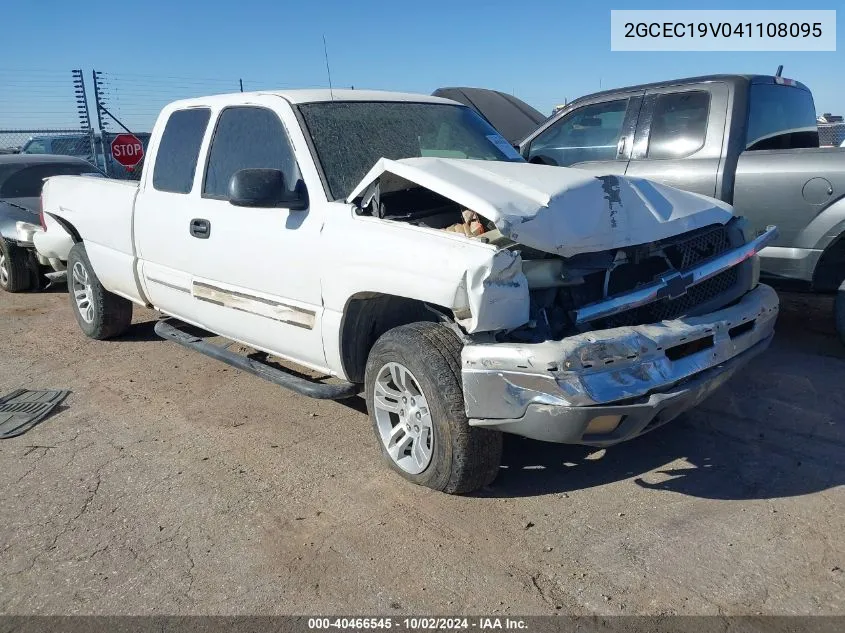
x,y
620,147
200,228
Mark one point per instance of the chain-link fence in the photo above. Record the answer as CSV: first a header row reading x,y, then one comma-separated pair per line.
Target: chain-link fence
x,y
47,112
68,142
831,134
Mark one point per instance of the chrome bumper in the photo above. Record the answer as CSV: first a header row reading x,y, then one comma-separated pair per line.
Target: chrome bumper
x,y
553,390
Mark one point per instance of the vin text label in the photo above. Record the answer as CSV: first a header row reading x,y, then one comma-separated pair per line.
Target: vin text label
x,y
722,30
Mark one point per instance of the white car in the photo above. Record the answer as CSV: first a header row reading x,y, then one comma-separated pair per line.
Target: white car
x,y
399,244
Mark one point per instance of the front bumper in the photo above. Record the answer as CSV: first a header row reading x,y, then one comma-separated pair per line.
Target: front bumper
x,y
643,375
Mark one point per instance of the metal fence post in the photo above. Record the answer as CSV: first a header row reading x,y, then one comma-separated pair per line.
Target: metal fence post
x,y
98,99
82,110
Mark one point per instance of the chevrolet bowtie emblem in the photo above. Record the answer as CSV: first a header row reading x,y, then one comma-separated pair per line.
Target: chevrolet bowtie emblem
x,y
676,285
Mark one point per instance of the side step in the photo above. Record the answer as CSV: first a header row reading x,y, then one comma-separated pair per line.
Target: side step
x,y
300,385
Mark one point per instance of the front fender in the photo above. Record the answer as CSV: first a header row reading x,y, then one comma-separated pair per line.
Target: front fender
x,y
483,286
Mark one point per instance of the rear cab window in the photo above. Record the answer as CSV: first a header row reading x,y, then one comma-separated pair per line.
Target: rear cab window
x,y
679,124
781,117
178,151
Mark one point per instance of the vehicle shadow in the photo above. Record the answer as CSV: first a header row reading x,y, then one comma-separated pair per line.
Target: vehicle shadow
x,y
59,288
141,332
777,429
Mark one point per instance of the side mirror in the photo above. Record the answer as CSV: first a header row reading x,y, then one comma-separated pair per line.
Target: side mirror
x,y
260,187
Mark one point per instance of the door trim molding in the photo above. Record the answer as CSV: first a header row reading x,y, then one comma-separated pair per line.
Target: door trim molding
x,y
252,304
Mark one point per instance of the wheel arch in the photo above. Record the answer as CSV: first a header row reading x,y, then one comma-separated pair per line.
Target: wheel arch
x,y
368,315
830,270
69,228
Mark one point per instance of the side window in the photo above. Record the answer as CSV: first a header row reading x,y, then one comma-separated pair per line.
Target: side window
x,y
679,125
37,146
246,137
72,146
178,152
586,134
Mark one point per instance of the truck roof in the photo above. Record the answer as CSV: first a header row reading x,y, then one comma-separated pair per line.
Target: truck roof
x,y
731,79
315,95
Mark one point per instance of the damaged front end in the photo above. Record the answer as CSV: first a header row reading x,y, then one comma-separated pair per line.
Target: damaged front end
x,y
608,305
608,386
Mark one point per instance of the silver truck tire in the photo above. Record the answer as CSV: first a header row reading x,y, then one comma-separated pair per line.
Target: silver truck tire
x,y
100,313
416,405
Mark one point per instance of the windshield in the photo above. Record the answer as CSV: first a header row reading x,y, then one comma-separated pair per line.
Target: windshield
x,y
350,137
22,180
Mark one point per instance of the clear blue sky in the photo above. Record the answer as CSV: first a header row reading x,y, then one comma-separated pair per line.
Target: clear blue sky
x,y
544,52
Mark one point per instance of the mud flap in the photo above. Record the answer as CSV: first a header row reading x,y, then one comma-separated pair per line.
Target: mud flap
x,y
23,409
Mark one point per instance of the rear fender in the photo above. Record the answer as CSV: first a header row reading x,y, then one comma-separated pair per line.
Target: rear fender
x,y
825,228
57,240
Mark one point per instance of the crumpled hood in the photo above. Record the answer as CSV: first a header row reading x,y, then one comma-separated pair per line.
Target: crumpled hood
x,y
554,209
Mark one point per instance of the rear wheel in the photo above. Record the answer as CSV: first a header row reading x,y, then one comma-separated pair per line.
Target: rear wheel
x,y
839,312
100,313
416,405
14,271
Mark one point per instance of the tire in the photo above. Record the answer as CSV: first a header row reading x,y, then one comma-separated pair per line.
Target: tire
x,y
38,280
839,312
100,313
426,358
14,267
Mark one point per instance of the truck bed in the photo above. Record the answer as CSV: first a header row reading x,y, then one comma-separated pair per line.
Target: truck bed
x,y
102,211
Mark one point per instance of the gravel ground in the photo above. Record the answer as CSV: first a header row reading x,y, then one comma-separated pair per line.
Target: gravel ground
x,y
169,483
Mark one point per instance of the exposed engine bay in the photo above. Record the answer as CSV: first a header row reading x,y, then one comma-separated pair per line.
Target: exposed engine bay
x,y
559,285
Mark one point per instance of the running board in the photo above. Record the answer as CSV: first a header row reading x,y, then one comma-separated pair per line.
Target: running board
x,y
282,378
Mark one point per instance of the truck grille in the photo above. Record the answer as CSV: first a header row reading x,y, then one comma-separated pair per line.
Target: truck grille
x,y
693,249
699,246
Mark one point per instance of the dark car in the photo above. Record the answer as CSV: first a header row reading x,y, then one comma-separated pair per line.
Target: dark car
x,y
21,179
513,118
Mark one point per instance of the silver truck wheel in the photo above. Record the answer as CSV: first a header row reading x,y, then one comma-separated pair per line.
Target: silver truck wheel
x,y
99,313
80,286
403,418
416,406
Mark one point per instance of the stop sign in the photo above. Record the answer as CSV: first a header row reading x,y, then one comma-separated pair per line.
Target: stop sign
x,y
127,150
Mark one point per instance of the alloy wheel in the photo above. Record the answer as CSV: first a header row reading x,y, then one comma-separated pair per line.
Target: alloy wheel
x,y
403,418
82,294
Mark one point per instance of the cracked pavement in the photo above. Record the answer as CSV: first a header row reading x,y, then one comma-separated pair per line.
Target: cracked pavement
x,y
169,483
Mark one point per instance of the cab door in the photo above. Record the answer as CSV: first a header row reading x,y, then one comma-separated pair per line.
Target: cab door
x,y
679,136
596,135
246,273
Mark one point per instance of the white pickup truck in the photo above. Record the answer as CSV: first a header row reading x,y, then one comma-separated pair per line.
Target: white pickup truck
x,y
400,246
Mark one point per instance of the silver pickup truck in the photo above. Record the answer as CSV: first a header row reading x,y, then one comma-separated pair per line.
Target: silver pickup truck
x,y
748,140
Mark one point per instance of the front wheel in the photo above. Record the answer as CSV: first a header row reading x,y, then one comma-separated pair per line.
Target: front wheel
x,y
100,313
416,405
